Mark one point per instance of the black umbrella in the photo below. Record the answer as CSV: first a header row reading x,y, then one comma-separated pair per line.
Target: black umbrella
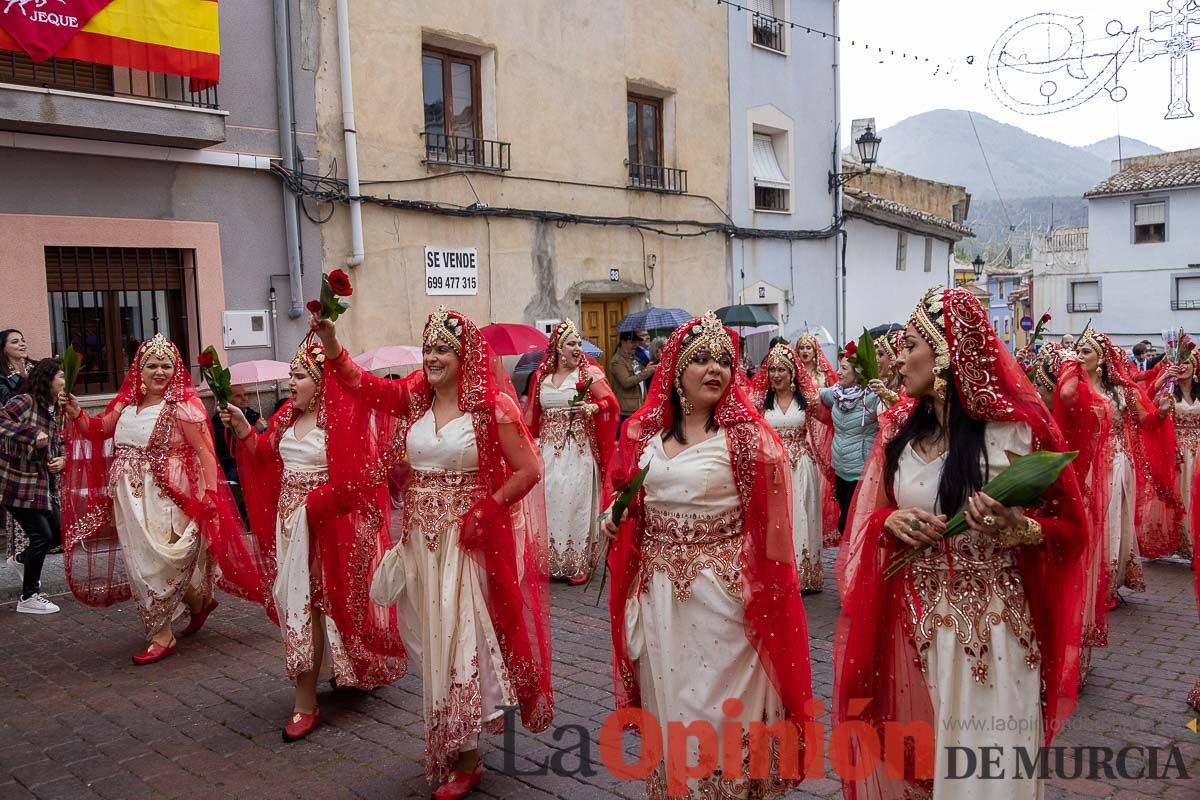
x,y
880,330
745,316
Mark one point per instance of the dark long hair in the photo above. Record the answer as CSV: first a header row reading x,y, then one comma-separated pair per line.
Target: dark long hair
x,y
676,431
37,383
1195,393
797,397
4,334
963,473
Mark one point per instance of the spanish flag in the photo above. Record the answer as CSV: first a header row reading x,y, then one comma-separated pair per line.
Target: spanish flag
x,y
176,37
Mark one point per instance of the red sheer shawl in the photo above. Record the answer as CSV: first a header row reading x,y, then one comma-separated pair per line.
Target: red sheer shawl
x,y
774,616
184,463
601,427
820,434
1152,445
514,552
348,525
874,659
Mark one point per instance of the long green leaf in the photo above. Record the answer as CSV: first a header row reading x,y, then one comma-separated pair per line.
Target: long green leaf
x,y
71,364
868,362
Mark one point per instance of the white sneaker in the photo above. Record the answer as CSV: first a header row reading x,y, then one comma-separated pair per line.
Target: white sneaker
x,y
38,604
17,567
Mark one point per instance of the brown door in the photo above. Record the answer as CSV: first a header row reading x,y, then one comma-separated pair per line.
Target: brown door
x,y
600,318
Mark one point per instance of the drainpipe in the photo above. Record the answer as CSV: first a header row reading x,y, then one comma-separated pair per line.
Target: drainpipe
x,y
287,152
839,265
348,129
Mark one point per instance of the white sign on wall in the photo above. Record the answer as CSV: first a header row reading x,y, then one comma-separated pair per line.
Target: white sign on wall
x,y
451,270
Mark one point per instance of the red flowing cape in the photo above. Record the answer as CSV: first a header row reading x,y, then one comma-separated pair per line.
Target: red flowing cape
x,y
184,463
514,552
874,660
820,432
348,525
775,622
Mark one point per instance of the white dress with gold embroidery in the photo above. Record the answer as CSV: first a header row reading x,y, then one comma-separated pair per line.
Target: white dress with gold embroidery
x,y
1187,432
440,590
686,630
296,592
163,550
806,494
571,483
974,632
1124,568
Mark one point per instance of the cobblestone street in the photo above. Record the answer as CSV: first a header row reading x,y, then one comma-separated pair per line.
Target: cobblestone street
x,y
78,720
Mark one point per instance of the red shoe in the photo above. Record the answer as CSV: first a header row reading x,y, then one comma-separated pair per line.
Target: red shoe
x,y
580,581
197,621
460,784
1113,602
155,652
301,725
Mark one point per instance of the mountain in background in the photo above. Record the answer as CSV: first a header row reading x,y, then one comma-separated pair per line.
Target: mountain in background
x,y
1040,180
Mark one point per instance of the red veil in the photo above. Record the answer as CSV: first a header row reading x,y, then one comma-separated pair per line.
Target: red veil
x,y
775,620
601,427
348,524
816,417
513,552
184,464
822,443
874,659
1152,446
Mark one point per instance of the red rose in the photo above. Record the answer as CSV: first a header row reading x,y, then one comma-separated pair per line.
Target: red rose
x,y
314,306
851,349
1191,346
580,386
205,360
1045,318
339,282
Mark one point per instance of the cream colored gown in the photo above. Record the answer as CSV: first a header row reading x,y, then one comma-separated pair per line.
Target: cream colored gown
x,y
440,590
1187,432
296,593
974,633
163,550
686,630
806,494
1124,568
571,483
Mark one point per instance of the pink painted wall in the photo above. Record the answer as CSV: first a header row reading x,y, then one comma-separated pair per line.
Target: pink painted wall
x,y
24,238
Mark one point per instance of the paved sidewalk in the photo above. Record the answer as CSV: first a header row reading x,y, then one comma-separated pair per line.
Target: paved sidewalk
x,y
78,720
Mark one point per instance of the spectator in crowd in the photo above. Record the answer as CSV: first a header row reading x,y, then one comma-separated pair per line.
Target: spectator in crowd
x,y
14,364
1143,351
627,375
657,345
854,410
30,460
642,351
227,450
1068,340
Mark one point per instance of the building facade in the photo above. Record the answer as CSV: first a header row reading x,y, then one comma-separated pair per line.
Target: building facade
x,y
516,147
1141,274
134,202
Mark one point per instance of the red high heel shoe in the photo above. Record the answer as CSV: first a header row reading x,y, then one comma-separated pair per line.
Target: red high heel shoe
x,y
155,652
197,621
460,784
301,725
580,581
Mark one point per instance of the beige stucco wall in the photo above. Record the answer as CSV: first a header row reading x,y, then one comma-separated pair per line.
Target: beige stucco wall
x,y
562,71
932,197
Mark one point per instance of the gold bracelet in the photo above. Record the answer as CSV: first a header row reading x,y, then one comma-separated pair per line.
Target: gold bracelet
x,y
1027,533
889,397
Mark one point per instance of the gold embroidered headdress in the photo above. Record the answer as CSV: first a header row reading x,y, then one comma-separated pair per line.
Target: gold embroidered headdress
x,y
781,356
442,325
929,320
1090,338
159,348
563,331
310,357
709,335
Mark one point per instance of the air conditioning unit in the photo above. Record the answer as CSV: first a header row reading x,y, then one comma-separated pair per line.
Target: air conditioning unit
x,y
247,329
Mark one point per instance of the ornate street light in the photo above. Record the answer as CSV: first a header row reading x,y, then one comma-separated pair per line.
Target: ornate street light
x,y
868,153
977,265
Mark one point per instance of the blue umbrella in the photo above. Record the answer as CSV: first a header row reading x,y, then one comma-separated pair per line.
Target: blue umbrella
x,y
527,363
653,319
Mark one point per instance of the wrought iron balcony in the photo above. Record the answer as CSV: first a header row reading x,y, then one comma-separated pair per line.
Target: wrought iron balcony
x,y
1185,305
83,76
1078,308
465,151
657,178
768,32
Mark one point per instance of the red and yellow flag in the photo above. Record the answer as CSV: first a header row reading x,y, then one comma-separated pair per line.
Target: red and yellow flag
x,y
176,37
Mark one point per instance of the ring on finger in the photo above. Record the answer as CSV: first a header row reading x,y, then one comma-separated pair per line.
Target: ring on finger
x,y
915,524
989,521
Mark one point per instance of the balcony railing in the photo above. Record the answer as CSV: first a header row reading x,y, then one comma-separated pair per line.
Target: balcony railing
x,y
465,151
770,198
657,178
83,76
1185,305
768,32
1076,308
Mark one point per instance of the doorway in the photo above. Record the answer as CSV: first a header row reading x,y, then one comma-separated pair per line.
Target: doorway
x,y
600,317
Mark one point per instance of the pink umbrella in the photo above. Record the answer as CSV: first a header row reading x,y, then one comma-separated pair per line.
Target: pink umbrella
x,y
396,355
249,373
512,339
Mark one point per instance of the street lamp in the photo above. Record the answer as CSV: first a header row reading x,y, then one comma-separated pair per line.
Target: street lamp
x,y
977,266
868,152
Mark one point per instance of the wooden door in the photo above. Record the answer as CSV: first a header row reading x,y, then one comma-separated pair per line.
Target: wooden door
x,y
600,318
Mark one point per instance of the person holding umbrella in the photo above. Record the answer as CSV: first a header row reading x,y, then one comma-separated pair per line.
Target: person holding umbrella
x,y
626,374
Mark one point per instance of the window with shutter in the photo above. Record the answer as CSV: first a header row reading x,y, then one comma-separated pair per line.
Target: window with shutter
x,y
1187,292
771,186
1085,296
1150,222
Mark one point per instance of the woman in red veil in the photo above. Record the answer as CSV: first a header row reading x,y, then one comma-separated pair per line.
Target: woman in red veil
x,y
783,392
145,511
814,362
1135,467
707,621
320,545
985,624
887,353
1194,695
468,576
577,440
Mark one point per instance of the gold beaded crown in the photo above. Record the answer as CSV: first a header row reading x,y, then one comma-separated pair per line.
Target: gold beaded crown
x,y
1090,338
160,348
563,331
310,357
442,325
781,356
708,334
930,322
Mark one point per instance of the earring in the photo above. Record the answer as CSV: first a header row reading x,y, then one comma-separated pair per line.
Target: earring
x,y
684,403
143,387
939,385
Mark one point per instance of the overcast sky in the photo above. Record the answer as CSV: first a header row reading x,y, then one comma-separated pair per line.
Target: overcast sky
x,y
949,31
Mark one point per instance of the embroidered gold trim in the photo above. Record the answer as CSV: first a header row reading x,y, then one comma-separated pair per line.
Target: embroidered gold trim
x,y
435,503
680,546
